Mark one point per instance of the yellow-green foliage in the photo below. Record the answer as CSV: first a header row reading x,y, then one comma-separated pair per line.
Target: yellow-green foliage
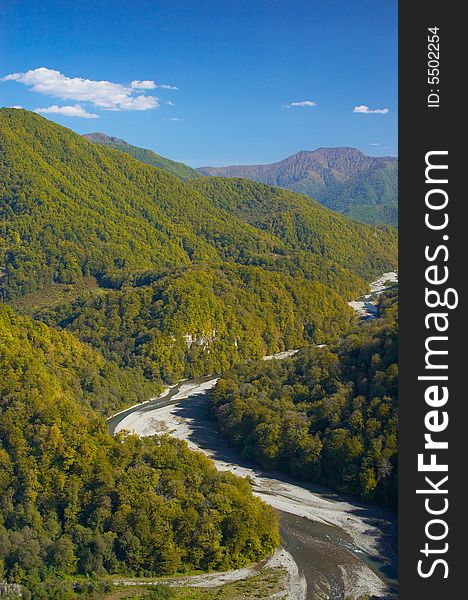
x,y
232,313
75,500
70,208
146,156
301,223
192,276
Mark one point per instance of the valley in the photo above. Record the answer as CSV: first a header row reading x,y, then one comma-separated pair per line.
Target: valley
x,y
365,307
327,536
340,547
124,277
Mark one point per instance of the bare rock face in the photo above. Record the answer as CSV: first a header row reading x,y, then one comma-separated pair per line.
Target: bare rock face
x,y
10,590
103,138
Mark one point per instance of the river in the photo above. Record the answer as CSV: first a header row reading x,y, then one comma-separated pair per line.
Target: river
x,y
366,307
342,548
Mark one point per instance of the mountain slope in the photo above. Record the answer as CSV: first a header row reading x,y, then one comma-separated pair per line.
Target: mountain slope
x,y
146,156
76,502
302,223
201,319
185,282
344,179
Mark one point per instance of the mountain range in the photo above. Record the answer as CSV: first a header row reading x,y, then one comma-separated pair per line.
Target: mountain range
x,y
343,179
364,188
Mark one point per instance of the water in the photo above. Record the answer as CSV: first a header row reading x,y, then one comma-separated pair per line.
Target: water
x,y
327,557
324,553
165,399
366,306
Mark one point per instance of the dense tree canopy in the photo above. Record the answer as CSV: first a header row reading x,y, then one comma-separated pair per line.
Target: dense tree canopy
x,y
343,179
73,500
203,320
119,276
189,277
369,197
328,415
302,223
70,208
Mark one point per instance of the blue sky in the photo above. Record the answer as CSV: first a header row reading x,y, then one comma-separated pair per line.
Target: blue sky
x,y
256,80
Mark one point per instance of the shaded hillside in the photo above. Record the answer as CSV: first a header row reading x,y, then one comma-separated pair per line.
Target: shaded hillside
x,y
147,156
303,224
344,179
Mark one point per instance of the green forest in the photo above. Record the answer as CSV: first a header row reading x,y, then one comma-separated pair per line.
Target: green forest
x,y
303,224
71,208
189,277
202,320
344,179
328,415
370,196
75,501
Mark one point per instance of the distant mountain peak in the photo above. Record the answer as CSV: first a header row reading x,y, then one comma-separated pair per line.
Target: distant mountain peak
x,y
342,178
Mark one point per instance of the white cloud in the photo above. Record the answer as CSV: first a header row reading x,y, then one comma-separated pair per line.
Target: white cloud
x,y
379,146
308,103
170,103
365,110
176,119
67,111
16,106
147,84
102,94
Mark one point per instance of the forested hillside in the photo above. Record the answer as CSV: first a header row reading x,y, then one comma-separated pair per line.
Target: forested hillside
x,y
147,156
71,208
115,277
189,277
75,501
328,415
303,223
369,197
203,319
